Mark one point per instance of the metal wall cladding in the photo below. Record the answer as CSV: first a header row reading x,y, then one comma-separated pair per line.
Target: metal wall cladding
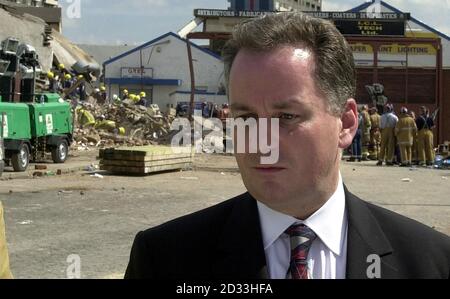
x,y
16,122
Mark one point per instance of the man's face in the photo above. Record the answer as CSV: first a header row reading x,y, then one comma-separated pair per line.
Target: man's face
x,y
280,84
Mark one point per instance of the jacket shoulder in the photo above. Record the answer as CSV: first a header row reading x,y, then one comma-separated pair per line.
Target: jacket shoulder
x,y
200,221
394,222
189,240
412,241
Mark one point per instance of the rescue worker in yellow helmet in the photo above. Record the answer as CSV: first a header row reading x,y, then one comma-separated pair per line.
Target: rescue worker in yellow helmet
x,y
125,94
105,124
85,117
54,85
102,96
5,272
142,101
67,81
405,130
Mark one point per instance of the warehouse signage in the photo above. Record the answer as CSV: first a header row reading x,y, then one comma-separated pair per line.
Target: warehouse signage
x,y
339,15
331,15
219,13
370,27
395,49
136,72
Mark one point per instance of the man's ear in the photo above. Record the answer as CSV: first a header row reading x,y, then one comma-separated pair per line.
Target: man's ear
x,y
349,120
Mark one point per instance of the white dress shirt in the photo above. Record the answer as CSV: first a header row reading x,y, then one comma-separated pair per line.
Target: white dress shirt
x,y
327,257
388,120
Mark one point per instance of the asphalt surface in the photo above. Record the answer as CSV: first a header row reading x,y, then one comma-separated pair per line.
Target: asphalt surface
x,y
52,218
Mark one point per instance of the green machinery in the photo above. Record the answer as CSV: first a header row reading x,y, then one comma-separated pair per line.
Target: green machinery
x,y
32,124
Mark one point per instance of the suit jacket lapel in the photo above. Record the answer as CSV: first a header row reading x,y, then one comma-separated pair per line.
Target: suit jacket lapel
x,y
240,251
366,238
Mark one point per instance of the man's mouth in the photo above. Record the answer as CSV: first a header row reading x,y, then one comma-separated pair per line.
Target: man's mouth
x,y
268,169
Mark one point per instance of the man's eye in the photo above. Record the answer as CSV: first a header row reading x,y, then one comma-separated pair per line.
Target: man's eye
x,y
288,117
247,116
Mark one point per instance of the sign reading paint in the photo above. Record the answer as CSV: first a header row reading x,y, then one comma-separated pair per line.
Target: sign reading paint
x,y
395,49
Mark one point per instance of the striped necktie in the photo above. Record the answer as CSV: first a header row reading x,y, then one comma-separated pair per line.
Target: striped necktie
x,y
302,238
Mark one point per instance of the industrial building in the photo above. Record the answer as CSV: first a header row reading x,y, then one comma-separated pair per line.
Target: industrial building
x,y
410,58
47,10
276,5
161,69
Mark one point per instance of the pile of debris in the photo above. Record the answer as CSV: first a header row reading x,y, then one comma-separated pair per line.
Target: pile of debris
x,y
113,125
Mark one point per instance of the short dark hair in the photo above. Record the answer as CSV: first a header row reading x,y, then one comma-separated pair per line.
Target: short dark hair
x,y
335,68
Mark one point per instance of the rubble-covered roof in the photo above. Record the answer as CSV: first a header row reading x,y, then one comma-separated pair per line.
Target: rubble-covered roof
x,y
68,53
28,29
31,30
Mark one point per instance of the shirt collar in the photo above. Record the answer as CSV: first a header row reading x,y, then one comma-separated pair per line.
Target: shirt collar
x,y
329,222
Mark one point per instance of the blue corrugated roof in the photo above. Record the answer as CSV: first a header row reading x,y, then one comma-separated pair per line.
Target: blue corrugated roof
x,y
394,9
156,40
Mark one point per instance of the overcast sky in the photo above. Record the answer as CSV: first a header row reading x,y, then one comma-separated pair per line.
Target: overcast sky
x,y
134,22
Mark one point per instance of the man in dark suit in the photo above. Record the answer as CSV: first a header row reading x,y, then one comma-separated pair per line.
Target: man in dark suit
x,y
297,220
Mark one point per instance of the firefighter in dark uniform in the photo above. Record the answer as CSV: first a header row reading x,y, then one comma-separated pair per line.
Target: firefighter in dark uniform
x,y
425,125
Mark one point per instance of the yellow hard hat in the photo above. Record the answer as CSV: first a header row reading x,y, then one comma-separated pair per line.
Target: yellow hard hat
x,y
122,131
102,88
125,91
61,66
50,75
67,76
80,77
143,95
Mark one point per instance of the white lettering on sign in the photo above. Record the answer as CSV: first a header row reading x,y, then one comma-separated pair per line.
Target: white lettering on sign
x,y
5,125
137,72
49,123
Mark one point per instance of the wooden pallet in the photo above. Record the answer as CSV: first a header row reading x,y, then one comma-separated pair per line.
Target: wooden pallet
x,y
144,160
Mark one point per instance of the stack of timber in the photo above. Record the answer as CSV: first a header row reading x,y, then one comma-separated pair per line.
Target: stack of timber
x,y
142,160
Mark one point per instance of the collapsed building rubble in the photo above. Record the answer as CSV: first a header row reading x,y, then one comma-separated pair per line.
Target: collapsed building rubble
x,y
120,124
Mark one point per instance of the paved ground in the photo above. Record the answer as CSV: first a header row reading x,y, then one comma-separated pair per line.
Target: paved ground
x,y
52,217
